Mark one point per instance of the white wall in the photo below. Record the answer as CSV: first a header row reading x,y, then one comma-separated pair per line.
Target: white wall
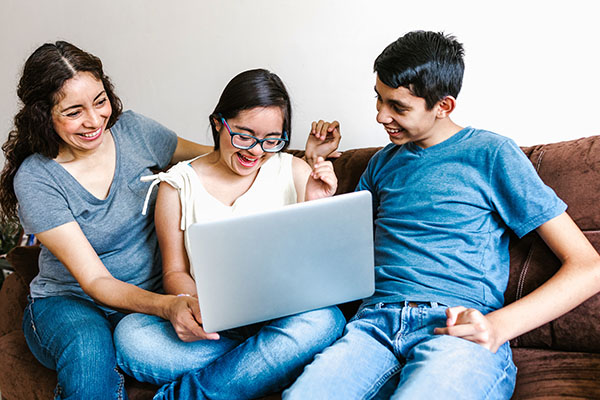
x,y
532,66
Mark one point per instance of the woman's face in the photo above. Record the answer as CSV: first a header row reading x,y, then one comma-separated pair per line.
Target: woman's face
x,y
260,122
82,112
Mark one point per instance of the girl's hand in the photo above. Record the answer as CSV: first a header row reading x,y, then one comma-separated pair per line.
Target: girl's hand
x,y
322,181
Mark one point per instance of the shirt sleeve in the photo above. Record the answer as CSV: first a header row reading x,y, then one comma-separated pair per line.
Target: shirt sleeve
x,y
519,195
42,205
366,182
157,140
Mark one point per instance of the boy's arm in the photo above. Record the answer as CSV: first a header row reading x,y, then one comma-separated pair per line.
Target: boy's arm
x,y
577,280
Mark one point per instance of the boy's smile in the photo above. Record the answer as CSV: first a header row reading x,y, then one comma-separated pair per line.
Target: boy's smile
x,y
406,118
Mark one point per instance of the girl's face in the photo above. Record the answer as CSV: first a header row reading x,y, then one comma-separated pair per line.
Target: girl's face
x,y
82,113
260,122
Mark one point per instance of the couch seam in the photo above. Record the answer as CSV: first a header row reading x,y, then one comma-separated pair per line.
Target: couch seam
x,y
524,272
539,161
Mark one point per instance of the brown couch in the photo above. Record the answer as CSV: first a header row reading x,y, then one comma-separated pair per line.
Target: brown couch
x,y
559,359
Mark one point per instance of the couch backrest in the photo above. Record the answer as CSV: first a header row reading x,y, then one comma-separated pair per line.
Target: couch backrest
x,y
572,169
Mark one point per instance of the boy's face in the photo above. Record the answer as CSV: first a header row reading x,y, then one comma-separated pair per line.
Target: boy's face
x,y
405,116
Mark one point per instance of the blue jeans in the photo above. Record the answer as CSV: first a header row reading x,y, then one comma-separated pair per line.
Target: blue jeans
x,y
246,362
390,351
74,337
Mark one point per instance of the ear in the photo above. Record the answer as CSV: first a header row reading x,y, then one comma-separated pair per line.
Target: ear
x,y
217,123
445,107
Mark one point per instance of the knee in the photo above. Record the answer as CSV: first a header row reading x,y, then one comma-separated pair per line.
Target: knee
x,y
321,327
135,336
329,321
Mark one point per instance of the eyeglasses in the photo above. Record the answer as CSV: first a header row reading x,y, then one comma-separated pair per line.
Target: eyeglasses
x,y
243,141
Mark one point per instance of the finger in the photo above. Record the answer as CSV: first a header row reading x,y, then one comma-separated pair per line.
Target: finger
x,y
333,126
313,127
318,162
452,314
319,129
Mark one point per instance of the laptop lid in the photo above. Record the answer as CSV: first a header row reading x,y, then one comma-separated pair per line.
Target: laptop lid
x,y
271,264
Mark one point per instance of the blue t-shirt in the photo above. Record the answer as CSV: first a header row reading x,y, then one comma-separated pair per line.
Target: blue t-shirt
x,y
441,216
123,238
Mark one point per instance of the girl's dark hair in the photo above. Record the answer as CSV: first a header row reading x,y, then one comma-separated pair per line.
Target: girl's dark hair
x,y
44,74
250,89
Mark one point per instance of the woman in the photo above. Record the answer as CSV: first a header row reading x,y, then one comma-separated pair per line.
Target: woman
x,y
73,163
246,173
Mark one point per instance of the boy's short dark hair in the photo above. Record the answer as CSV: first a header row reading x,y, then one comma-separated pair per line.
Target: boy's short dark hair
x,y
429,64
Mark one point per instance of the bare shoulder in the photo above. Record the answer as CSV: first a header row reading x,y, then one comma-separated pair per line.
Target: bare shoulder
x,y
299,166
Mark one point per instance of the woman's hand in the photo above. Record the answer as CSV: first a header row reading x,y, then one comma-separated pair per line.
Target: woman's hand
x,y
323,141
184,314
470,324
322,181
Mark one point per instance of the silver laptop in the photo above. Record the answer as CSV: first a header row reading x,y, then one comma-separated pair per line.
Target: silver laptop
x,y
282,262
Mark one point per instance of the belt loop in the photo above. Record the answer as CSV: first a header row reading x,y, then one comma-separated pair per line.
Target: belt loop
x,y
433,304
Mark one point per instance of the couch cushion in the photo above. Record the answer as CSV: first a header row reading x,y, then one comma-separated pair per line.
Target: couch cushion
x,y
556,374
21,375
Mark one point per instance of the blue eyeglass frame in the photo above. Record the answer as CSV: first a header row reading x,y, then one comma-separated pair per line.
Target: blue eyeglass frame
x,y
232,134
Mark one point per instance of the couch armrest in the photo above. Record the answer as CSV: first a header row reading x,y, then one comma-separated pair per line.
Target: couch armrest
x,y
13,295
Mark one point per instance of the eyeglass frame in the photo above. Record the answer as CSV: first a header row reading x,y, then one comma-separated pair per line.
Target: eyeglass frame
x,y
232,134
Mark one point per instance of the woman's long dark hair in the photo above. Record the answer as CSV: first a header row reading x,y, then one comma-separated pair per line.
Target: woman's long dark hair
x,y
44,74
250,89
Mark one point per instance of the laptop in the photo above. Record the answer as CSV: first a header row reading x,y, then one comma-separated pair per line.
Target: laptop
x,y
299,258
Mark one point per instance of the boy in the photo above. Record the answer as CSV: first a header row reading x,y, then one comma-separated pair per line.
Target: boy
x,y
444,198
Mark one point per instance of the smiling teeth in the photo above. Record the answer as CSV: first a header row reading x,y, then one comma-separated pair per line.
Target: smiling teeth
x,y
90,135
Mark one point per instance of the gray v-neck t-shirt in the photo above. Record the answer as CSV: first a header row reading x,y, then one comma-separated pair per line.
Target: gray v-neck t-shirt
x,y
123,238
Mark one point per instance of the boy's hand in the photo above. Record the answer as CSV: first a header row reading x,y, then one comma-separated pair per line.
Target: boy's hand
x,y
322,181
184,315
470,324
323,141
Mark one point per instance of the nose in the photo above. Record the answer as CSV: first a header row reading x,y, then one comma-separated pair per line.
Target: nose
x,y
92,118
383,116
256,150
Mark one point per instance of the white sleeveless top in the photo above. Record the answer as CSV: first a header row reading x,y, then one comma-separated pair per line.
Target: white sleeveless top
x,y
272,188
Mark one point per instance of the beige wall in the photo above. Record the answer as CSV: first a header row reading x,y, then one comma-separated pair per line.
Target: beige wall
x,y
532,66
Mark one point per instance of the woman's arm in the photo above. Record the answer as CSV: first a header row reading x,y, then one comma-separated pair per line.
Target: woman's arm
x,y
176,267
68,243
186,150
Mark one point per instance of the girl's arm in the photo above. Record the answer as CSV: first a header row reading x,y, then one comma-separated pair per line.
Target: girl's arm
x,y
176,268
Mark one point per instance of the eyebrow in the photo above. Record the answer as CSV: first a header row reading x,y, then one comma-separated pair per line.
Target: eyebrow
x,y
251,131
392,101
80,105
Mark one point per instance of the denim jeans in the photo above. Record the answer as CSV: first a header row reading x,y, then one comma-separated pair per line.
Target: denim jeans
x,y
74,337
246,362
390,351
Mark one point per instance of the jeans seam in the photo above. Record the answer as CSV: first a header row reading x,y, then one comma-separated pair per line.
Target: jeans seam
x,y
503,376
121,385
35,332
382,381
